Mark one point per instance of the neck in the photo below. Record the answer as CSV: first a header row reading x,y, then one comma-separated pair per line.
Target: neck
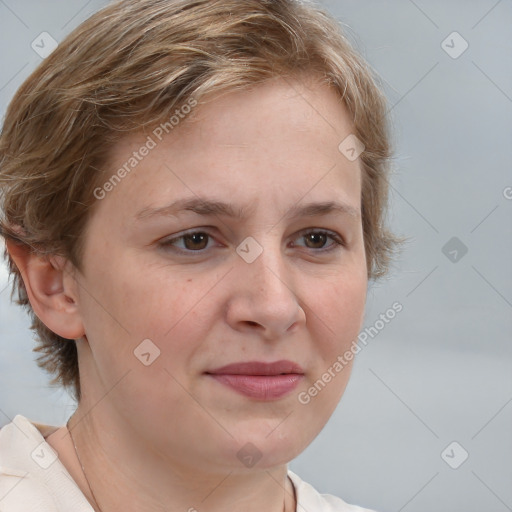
x,y
122,473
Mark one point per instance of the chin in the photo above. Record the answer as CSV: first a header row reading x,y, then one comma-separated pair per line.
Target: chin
x,y
261,446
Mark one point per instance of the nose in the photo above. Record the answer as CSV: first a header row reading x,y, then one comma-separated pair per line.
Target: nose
x,y
263,296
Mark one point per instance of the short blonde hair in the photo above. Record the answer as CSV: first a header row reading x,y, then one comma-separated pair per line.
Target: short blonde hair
x,y
129,66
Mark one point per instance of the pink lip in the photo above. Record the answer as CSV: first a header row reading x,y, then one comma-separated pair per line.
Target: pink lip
x,y
257,368
264,381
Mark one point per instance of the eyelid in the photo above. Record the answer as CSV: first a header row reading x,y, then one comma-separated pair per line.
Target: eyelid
x,y
337,239
167,241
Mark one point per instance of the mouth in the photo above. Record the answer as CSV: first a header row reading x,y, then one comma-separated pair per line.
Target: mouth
x,y
259,380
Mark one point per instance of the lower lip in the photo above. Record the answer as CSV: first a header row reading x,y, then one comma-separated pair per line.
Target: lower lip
x,y
262,387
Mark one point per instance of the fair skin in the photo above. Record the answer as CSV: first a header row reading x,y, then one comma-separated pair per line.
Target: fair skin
x,y
166,436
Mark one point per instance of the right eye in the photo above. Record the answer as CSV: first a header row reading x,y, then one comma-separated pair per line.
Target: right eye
x,y
190,242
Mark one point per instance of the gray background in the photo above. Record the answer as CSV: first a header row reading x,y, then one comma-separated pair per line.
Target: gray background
x,y
441,370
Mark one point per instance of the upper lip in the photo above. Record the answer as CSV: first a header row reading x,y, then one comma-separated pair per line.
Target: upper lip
x,y
258,368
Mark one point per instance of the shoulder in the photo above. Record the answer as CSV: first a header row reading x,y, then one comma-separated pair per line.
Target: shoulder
x,y
19,485
31,474
308,498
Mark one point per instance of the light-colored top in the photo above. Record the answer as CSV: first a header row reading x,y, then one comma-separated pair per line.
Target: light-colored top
x,y
32,477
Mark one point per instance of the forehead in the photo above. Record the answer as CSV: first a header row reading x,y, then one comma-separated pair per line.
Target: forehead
x,y
282,136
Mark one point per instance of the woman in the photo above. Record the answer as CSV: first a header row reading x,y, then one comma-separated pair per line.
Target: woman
x,y
193,195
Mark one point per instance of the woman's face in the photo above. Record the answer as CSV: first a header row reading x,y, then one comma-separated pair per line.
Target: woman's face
x,y
164,308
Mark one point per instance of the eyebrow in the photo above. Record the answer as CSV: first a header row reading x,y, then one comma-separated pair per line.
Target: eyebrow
x,y
208,207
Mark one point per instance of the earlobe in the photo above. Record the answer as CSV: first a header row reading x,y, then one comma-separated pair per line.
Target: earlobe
x,y
51,289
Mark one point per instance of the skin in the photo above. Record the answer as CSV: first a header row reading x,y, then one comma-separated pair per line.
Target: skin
x,y
166,436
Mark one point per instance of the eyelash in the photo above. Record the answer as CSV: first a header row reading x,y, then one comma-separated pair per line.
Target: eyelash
x,y
338,241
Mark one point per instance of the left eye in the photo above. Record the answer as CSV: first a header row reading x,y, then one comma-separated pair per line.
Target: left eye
x,y
197,241
318,240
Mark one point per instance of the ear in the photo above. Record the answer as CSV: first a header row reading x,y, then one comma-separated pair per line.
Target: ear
x,y
51,288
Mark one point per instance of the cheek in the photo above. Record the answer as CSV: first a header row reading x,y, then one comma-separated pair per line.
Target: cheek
x,y
139,299
336,321
167,307
339,313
